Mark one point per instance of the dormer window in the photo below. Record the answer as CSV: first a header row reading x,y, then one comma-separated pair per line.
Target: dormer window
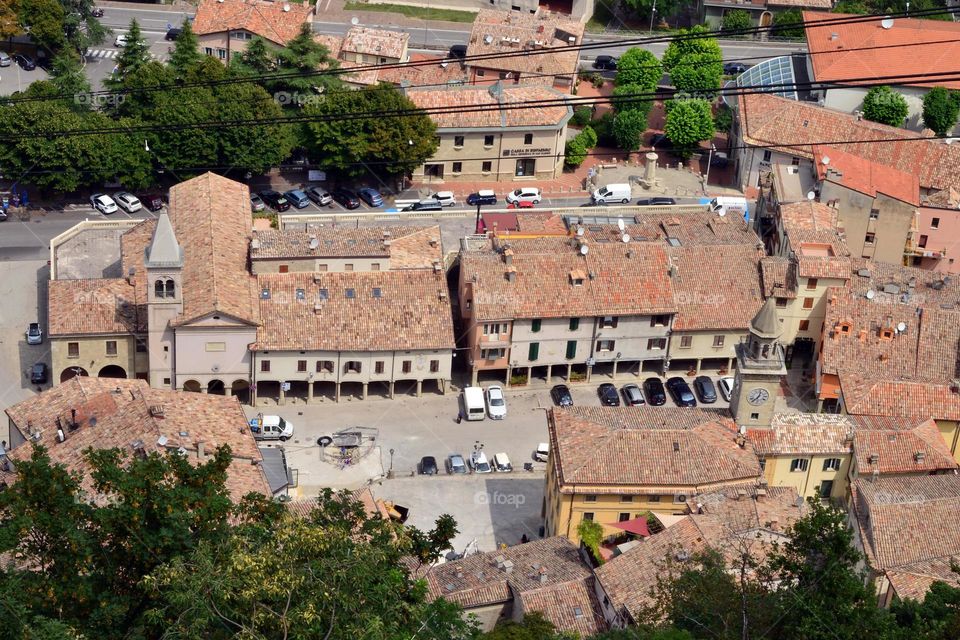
x,y
164,288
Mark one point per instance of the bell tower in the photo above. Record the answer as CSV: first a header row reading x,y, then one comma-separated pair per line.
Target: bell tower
x,y
163,260
760,365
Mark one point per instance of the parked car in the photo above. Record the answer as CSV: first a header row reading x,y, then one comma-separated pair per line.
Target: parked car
x,y
256,203
680,392
458,51
275,200
5,59
152,201
496,404
478,462
608,395
726,387
734,68
121,40
319,195
561,395
705,389
424,205
34,333
655,202
297,198
172,34
656,395
371,196
455,464
542,452
501,463
445,198
103,203
428,466
127,201
525,194
632,395
271,428
607,63
26,62
523,204
484,196
38,373
346,198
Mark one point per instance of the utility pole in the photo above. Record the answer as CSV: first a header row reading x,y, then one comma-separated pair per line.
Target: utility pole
x,y
706,180
653,12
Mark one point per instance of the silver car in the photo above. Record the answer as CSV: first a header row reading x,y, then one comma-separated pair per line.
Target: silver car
x,y
5,59
34,333
127,201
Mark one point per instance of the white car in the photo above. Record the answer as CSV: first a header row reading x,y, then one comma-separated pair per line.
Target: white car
x,y
121,40
128,202
103,203
478,462
496,405
271,428
726,387
542,452
531,195
445,198
501,463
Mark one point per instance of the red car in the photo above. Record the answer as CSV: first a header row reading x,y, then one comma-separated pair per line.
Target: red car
x,y
522,204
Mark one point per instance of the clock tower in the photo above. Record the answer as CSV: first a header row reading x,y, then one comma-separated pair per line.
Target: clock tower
x,y
760,365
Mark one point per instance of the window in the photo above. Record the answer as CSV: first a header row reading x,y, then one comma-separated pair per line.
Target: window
x,y
605,345
811,284
374,266
376,292
215,346
534,351
488,141
808,303
795,161
626,498
407,366
486,167
767,155
528,138
571,349
935,223
503,75
479,73
590,498
265,366
763,464
352,366
623,517
653,498
166,381
527,167
301,366
141,345
73,349
434,366
608,322
781,302
922,242
588,515
322,267
831,464
457,141
494,329
826,488
324,366
378,366
654,344
222,54
111,347
348,267
874,214
804,325
457,167
799,464
870,238
492,354
284,268
686,342
574,324
535,325
718,341
208,51
659,321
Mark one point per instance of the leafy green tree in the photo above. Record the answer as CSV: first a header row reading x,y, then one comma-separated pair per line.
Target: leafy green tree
x,y
68,78
81,28
391,145
257,59
428,546
639,67
175,144
44,19
886,106
589,136
134,55
737,20
941,107
589,531
851,7
574,152
688,123
643,633
533,627
723,119
631,97
788,24
581,116
255,147
186,51
689,42
9,21
936,618
699,75
643,8
301,59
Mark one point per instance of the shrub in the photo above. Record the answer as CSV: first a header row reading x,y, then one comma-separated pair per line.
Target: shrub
x,y
627,98
886,106
723,119
581,116
589,137
940,110
574,153
628,129
688,122
603,126
736,20
639,67
519,379
788,24
591,535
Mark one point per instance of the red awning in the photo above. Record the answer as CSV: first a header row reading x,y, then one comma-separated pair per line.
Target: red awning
x,y
636,526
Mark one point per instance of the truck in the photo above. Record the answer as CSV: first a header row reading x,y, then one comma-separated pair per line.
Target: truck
x,y
723,205
271,428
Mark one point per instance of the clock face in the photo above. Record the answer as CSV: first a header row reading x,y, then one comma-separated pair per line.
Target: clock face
x,y
758,396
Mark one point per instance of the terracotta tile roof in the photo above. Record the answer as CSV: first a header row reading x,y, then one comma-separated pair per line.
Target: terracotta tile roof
x,y
626,448
728,299
125,412
915,579
492,27
917,449
865,176
697,228
375,42
304,507
212,220
743,507
332,43
133,244
796,127
779,276
803,433
278,22
462,104
799,217
884,54
925,288
408,247
412,311
627,280
94,307
570,607
443,71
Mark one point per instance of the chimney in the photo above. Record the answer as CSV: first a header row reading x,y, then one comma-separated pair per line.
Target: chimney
x,y
500,560
919,457
73,418
863,335
774,525
508,566
511,274
201,450
543,575
761,495
741,494
874,458
508,257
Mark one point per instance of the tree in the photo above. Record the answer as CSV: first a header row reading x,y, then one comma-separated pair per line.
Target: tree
x,y
427,547
590,532
533,627
574,152
699,75
9,21
639,67
628,129
631,97
851,7
387,133
886,106
688,123
941,107
737,20
186,52
68,78
300,60
788,24
257,59
134,55
644,8
255,147
44,19
937,617
689,42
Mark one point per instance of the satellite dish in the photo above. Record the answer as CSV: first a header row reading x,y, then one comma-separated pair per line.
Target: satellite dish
x,y
625,237
584,250
354,20
887,23
811,195
580,231
721,212
871,294
825,160
314,243
620,224
901,327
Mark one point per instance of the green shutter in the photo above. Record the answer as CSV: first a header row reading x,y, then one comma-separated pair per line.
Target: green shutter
x,y
536,325
534,351
571,349
574,324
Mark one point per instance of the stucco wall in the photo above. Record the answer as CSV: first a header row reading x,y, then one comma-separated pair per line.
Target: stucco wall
x,y
544,149
92,355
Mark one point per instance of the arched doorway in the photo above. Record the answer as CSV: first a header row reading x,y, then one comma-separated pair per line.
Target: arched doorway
x,y
241,389
72,372
766,19
112,371
191,385
216,387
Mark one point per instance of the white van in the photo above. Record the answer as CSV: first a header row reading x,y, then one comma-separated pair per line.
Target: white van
x,y
723,205
612,193
474,406
501,463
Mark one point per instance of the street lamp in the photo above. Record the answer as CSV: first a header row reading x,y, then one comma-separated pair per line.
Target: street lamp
x,y
653,12
390,472
706,180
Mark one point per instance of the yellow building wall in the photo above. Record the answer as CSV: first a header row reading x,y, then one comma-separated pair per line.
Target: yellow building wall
x,y
951,435
807,483
92,355
793,313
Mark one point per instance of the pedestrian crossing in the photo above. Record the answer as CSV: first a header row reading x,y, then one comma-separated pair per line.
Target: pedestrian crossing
x,y
110,54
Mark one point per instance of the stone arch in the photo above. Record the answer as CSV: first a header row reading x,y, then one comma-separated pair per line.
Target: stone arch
x,y
216,387
192,385
241,389
72,372
112,371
